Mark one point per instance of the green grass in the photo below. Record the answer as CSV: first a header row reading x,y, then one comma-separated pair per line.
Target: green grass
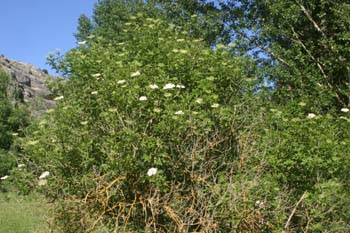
x,y
22,214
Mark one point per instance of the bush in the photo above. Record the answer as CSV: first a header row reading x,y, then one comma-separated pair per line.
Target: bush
x,y
145,132
305,152
13,119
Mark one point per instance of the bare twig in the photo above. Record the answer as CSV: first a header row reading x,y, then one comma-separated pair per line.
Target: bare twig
x,y
293,212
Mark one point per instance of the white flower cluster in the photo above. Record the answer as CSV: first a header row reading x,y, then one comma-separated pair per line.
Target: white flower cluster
x,y
179,113
152,171
4,177
311,115
153,86
143,98
96,75
135,74
171,86
59,98
44,175
121,81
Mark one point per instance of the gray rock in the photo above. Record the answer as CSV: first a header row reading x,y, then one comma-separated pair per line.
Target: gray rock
x,y
29,83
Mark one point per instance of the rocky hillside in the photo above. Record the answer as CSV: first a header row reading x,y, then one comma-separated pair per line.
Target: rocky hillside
x,y
29,83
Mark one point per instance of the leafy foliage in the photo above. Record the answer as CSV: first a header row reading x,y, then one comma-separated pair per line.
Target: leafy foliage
x,y
12,120
201,19
160,128
306,44
159,99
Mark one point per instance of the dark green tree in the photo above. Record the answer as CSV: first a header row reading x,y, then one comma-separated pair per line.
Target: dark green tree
x,y
304,43
201,19
85,28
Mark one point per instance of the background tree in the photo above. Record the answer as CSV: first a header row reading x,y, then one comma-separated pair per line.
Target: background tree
x,y
201,19
305,44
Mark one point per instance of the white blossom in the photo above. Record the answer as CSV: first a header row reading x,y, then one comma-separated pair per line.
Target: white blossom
x,y
84,122
94,93
96,75
44,175
82,42
4,177
135,74
311,115
169,86
215,105
344,110
199,100
180,86
153,86
179,113
152,171
21,165
121,81
59,98
143,98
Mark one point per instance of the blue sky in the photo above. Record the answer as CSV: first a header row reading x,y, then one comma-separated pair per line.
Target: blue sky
x,y
30,29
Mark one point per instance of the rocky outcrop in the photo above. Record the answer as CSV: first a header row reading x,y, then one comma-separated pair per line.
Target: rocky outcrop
x,y
29,83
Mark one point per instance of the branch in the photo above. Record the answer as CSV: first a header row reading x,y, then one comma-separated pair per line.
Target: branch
x,y
312,20
293,212
297,40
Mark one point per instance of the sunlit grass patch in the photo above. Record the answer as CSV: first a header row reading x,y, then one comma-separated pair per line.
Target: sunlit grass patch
x,y
22,214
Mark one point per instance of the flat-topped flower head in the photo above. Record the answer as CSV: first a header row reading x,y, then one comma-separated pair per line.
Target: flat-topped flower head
x,y
180,86
44,175
199,100
152,171
121,81
153,86
216,105
94,93
59,98
96,75
179,113
143,98
344,110
169,86
21,165
135,74
4,177
82,42
311,115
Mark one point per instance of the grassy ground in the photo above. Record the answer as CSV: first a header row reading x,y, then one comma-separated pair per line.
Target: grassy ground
x,y
22,214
